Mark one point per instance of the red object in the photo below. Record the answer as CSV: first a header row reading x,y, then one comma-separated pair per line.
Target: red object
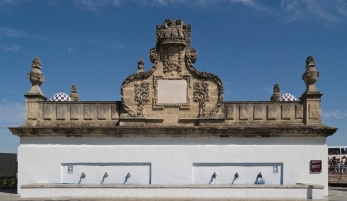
x,y
316,166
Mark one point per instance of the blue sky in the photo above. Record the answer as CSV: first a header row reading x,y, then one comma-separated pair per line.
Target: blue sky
x,y
250,45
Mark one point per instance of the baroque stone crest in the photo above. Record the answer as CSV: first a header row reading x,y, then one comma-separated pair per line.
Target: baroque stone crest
x,y
174,55
201,95
173,58
141,90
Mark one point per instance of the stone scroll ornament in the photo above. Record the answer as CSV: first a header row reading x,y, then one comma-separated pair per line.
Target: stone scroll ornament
x,y
140,75
141,90
191,56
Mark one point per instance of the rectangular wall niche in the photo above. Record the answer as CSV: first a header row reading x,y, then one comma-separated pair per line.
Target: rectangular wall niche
x,y
172,91
272,173
140,173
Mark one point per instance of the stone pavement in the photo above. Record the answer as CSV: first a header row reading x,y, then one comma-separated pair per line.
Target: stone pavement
x,y
335,194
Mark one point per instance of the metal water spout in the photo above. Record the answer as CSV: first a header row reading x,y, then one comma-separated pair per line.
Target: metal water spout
x,y
128,175
236,175
260,175
105,175
214,175
83,175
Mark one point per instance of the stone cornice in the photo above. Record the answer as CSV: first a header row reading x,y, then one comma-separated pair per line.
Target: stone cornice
x,y
249,131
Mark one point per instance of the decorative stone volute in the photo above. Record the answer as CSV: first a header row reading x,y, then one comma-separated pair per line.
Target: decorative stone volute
x,y
36,78
276,93
310,76
74,93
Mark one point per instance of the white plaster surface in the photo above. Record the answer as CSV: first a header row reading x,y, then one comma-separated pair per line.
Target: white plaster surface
x,y
117,173
175,192
172,91
248,173
175,161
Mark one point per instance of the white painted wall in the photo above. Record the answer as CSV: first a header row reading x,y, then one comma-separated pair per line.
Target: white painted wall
x,y
140,173
172,160
244,192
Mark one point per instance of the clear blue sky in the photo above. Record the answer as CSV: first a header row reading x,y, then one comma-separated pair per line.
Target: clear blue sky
x,y
250,45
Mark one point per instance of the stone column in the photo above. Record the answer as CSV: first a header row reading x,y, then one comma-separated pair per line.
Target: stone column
x,y
34,96
311,97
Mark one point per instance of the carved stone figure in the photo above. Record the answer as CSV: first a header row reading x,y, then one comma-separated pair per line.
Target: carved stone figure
x,y
140,65
36,77
276,93
310,76
74,93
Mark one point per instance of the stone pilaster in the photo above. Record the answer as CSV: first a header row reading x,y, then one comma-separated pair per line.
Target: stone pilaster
x,y
33,108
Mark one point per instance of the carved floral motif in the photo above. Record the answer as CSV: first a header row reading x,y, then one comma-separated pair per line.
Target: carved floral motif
x,y
141,90
201,95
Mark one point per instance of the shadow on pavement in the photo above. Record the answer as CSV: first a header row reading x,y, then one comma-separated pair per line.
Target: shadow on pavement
x,y
9,191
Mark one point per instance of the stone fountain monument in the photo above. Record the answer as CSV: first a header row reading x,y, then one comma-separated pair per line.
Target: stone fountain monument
x,y
173,135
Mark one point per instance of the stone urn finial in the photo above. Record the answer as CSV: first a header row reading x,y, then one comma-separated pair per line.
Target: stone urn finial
x,y
140,65
276,93
36,77
74,93
310,76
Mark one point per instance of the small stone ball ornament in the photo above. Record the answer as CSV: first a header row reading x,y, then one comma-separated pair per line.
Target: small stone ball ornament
x,y
60,97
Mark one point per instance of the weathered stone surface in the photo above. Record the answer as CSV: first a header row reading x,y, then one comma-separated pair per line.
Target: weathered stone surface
x,y
280,130
61,112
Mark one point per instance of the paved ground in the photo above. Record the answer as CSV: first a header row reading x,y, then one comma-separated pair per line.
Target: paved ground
x,y
335,194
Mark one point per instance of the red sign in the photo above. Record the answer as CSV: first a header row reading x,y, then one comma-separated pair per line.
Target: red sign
x,y
316,166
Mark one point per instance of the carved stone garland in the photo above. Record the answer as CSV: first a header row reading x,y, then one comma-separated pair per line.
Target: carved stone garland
x,y
190,59
155,58
141,90
201,95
